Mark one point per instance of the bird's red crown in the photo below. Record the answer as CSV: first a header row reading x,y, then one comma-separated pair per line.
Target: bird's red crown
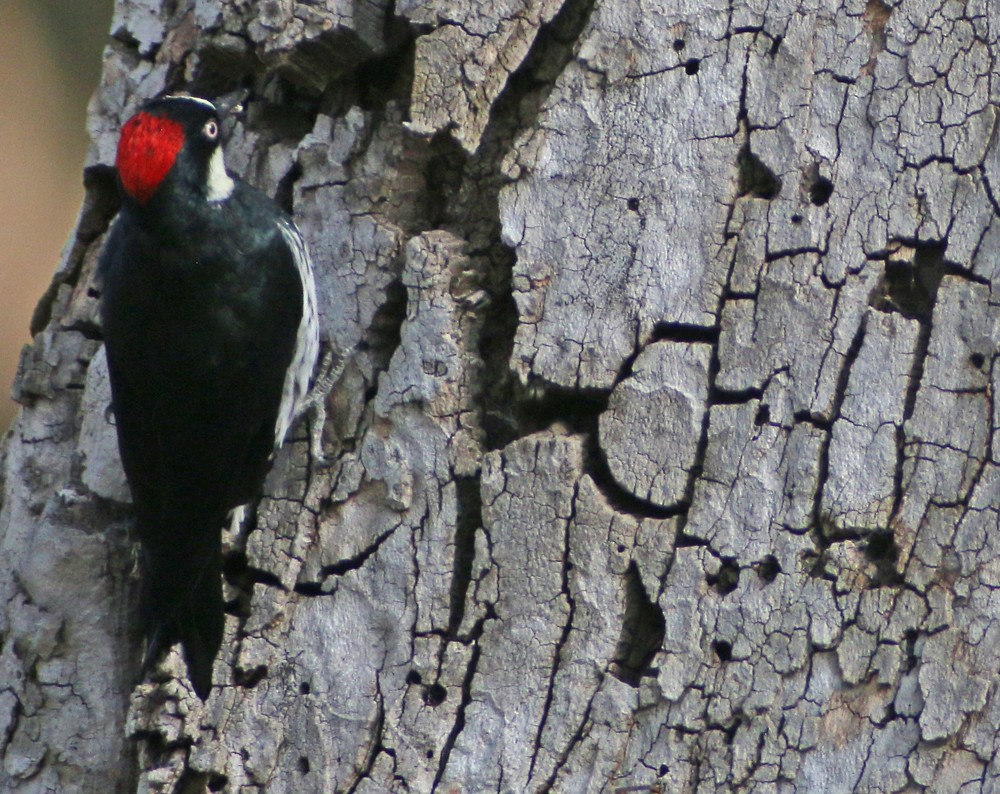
x,y
148,147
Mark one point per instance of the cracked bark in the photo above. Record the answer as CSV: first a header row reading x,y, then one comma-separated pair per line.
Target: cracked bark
x,y
664,455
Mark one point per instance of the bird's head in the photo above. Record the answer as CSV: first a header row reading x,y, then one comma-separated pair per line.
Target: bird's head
x,y
173,139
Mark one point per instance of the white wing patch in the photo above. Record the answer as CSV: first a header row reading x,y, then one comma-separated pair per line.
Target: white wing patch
x,y
296,388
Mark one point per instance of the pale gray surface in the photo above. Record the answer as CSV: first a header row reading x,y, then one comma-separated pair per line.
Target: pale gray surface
x,y
665,398
649,470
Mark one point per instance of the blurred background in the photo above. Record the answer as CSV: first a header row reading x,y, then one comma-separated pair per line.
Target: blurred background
x,y
50,62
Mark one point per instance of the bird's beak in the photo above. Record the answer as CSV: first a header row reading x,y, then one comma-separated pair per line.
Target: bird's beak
x,y
231,103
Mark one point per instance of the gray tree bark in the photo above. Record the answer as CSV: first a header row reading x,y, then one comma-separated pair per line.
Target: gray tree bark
x,y
665,454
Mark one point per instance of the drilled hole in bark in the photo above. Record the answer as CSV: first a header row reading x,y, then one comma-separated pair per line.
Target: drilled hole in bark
x,y
217,782
882,550
882,547
621,548
691,66
679,44
429,754
910,286
755,178
820,191
728,577
304,688
248,679
769,568
977,360
435,695
303,765
642,632
723,650
796,220
413,678
633,204
663,770
763,415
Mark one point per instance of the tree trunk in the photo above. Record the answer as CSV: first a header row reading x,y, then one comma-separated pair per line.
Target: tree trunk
x,y
664,456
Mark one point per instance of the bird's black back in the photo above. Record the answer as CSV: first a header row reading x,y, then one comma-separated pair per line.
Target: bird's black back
x,y
201,307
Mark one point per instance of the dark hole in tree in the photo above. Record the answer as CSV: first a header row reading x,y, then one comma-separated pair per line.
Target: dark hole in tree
x,y
796,220
769,568
882,546
633,204
910,288
303,765
217,782
621,548
304,688
430,753
763,415
663,770
248,679
413,678
679,44
755,178
691,66
775,45
977,360
882,550
728,577
723,650
820,191
435,695
642,631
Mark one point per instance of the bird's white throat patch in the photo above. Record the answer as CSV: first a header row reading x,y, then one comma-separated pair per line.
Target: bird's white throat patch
x,y
220,184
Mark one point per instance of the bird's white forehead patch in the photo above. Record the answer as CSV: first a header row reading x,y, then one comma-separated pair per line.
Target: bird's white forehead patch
x,y
220,185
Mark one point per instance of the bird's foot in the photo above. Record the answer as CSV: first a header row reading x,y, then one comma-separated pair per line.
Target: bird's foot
x,y
328,374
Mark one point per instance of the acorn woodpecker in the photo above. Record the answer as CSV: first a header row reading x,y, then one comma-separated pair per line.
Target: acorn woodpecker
x,y
211,331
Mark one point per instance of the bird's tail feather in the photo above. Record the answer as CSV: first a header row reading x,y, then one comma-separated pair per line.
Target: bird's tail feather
x,y
182,602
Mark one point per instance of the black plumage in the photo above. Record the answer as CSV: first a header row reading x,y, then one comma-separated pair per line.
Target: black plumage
x,y
209,323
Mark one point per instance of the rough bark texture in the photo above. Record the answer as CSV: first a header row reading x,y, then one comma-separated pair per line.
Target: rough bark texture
x,y
664,455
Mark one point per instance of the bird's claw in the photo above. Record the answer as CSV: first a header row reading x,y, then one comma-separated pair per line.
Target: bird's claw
x,y
328,374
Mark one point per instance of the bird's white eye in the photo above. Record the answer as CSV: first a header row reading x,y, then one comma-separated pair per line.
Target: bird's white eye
x,y
211,129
